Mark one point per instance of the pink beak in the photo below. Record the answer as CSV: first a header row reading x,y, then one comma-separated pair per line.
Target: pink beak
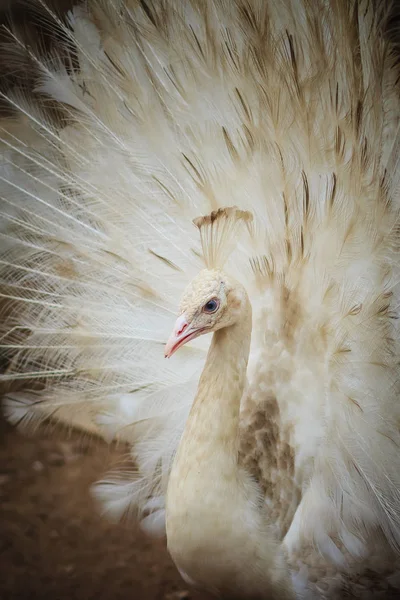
x,y
181,334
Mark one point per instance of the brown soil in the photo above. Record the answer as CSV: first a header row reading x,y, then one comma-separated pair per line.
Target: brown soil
x,y
54,544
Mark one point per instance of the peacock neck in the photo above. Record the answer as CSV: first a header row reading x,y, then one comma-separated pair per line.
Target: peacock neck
x,y
212,429
214,418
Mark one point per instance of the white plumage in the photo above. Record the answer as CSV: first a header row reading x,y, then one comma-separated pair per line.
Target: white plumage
x,y
168,110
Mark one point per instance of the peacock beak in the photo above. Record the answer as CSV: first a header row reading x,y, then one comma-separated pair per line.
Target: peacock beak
x,y
182,333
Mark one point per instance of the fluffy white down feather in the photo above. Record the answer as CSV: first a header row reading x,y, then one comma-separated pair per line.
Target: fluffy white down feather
x,y
169,110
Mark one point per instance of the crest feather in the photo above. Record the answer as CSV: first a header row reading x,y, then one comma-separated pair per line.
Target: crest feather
x,y
218,231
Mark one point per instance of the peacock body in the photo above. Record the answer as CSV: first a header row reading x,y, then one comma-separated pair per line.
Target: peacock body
x,y
147,115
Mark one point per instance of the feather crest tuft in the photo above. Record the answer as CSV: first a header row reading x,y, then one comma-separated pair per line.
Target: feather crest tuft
x,y
218,231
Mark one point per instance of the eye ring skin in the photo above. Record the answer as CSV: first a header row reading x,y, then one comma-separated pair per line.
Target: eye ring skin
x,y
211,306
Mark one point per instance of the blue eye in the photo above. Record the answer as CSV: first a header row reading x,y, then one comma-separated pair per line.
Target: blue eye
x,y
211,306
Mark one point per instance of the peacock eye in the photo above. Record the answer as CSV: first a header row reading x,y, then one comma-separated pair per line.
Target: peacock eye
x,y
211,306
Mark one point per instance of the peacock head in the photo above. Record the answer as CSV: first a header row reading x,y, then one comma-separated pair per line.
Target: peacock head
x,y
212,300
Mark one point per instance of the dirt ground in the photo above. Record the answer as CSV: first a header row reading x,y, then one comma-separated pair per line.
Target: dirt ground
x,y
54,544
